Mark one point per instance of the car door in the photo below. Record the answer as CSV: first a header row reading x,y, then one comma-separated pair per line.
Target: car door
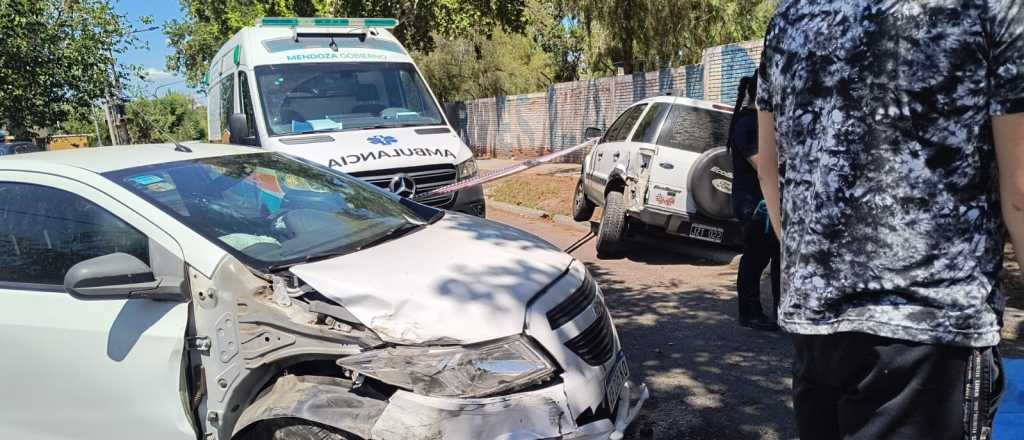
x,y
687,132
77,369
611,149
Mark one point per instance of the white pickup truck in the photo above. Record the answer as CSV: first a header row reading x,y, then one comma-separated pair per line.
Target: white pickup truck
x,y
661,166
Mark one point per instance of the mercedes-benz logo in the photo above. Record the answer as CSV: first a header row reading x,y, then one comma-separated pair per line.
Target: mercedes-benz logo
x,y
402,185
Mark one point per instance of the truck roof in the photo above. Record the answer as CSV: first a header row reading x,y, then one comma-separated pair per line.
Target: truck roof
x,y
262,45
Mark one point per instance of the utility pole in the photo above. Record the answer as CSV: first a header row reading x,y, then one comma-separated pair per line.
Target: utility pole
x,y
115,108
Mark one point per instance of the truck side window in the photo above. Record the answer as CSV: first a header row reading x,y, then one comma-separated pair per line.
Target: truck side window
x,y
227,103
213,113
246,98
44,231
621,127
694,129
648,128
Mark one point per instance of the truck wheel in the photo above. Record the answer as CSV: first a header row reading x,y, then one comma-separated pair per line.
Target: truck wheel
x,y
613,224
293,429
582,207
711,184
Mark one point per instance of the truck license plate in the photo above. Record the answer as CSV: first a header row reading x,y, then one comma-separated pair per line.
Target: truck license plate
x,y
706,233
613,384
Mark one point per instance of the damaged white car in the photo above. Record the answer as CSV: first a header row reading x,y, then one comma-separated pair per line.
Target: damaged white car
x,y
218,292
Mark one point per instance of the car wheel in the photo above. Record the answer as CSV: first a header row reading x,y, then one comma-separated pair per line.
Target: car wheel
x,y
293,429
711,184
613,224
582,207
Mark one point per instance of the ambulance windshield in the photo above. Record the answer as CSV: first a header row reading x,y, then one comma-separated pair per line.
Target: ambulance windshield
x,y
324,97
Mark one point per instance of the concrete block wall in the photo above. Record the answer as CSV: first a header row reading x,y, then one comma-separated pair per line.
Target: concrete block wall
x,y
535,124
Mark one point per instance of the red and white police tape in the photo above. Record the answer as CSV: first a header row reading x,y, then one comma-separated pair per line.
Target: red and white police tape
x,y
504,172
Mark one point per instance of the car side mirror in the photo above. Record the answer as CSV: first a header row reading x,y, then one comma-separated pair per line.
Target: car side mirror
x,y
120,276
592,132
238,126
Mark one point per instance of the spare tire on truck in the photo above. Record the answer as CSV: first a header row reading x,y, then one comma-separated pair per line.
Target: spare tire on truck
x,y
711,184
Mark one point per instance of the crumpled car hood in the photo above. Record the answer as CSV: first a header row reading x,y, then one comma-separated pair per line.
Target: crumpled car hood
x,y
460,280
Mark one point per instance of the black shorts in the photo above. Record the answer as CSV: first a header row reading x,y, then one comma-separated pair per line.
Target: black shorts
x,y
856,386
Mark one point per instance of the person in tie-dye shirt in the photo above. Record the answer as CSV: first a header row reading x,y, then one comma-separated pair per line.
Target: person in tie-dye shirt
x,y
892,156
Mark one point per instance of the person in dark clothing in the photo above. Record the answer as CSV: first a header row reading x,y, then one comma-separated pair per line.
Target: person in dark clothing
x,y
760,247
892,163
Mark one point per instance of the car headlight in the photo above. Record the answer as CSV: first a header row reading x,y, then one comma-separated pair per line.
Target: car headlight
x,y
467,169
460,371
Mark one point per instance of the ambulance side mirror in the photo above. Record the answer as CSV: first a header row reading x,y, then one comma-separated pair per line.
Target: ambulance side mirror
x,y
238,126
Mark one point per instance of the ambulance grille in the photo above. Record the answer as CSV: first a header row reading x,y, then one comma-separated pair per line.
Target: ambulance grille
x,y
595,344
574,304
427,178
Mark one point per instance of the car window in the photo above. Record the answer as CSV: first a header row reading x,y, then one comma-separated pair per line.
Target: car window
x,y
694,129
648,128
621,127
246,98
44,231
269,209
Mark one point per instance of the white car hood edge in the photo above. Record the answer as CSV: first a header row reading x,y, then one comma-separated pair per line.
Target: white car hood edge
x,y
460,280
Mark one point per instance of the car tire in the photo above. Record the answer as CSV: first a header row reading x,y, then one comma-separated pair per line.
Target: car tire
x,y
710,184
613,224
293,429
582,207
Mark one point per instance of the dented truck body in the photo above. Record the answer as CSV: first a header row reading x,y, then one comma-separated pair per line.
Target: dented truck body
x,y
438,325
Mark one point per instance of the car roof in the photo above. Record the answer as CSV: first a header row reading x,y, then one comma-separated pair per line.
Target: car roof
x,y
103,159
707,105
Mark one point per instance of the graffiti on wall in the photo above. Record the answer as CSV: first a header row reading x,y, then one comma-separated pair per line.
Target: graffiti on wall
x,y
536,124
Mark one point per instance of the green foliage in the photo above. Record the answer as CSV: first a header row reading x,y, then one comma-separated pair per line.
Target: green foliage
x,y
55,57
501,63
649,34
209,23
168,118
85,121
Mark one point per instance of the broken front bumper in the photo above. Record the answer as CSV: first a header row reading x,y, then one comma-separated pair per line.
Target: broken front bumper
x,y
539,414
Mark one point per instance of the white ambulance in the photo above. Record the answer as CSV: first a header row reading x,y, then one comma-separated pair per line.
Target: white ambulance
x,y
344,93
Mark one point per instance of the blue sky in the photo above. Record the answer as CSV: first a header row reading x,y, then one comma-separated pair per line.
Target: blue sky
x,y
154,59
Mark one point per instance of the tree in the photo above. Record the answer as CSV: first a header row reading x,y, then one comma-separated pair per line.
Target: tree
x,y
56,57
169,118
209,23
85,120
648,34
502,63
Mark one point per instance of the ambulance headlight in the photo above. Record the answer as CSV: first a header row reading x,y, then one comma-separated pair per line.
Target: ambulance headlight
x,y
467,169
477,370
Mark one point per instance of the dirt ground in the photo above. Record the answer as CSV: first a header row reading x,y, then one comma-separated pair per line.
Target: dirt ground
x,y
548,188
674,306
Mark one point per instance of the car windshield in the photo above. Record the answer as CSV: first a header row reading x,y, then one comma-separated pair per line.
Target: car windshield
x,y
271,210
316,97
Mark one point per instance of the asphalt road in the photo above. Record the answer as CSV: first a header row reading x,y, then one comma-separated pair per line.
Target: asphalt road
x,y
676,315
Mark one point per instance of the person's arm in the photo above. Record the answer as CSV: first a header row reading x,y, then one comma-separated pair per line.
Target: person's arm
x,y
768,167
1009,137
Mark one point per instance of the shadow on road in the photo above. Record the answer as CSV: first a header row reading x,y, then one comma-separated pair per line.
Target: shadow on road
x,y
710,378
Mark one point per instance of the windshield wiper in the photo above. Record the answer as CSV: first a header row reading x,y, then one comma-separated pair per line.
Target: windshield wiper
x,y
391,234
309,259
322,130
